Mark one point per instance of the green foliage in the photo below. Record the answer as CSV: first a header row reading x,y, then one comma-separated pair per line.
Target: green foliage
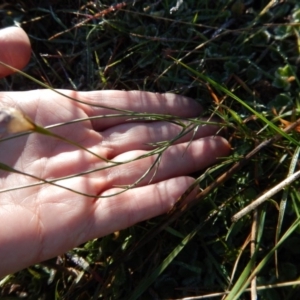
x,y
247,52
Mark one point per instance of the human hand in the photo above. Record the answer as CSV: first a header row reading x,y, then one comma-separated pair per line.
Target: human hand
x,y
42,221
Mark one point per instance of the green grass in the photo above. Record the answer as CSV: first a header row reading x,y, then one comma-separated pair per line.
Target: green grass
x,y
240,59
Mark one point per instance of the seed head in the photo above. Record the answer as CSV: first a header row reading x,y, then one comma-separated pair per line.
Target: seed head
x,y
14,121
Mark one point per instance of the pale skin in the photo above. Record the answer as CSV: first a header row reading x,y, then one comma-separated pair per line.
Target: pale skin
x,y
43,221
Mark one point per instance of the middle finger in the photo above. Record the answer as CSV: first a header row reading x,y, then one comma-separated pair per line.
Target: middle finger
x,y
146,136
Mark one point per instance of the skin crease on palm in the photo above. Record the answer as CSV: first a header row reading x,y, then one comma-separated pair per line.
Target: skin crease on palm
x,y
43,221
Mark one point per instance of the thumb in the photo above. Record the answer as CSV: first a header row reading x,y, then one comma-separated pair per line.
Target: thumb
x,y
15,49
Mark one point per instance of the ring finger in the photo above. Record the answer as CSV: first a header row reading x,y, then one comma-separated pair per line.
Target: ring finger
x,y
177,160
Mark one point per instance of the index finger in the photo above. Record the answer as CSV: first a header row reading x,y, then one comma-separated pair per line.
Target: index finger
x,y
106,108
136,101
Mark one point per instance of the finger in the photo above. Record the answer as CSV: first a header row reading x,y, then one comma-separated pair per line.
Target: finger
x,y
14,49
51,106
136,101
47,107
144,136
136,205
177,160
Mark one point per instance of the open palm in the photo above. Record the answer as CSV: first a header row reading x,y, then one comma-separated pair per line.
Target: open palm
x,y
44,220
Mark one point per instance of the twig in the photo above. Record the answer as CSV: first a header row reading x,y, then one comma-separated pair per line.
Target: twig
x,y
265,196
102,13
